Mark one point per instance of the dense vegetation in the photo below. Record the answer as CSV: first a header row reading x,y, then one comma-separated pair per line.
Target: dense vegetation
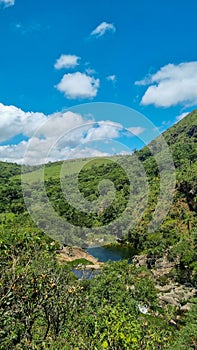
x,y
44,306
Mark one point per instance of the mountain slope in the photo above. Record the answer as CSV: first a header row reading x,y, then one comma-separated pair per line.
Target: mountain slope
x,y
44,306
142,181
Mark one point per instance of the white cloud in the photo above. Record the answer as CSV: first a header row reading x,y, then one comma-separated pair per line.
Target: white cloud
x,y
7,3
67,61
104,129
136,130
103,28
14,121
13,153
90,71
88,152
172,85
111,78
38,151
58,136
181,116
78,85
49,138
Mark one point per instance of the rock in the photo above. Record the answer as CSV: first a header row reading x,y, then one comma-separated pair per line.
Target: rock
x,y
165,289
139,260
172,293
184,293
157,273
173,323
169,299
93,267
185,308
180,293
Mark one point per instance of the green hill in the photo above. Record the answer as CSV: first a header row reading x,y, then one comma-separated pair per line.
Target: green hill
x,y
136,180
44,306
132,175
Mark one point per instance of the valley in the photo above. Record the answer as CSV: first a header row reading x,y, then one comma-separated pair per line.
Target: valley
x,y
43,305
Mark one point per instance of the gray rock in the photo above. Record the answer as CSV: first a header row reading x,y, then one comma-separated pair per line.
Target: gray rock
x,y
139,260
165,289
185,308
169,299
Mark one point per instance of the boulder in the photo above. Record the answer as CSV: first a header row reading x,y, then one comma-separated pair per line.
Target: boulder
x,y
164,289
185,308
169,299
139,260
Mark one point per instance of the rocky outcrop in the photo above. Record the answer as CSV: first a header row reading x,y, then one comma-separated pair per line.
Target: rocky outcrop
x,y
177,296
170,293
68,254
140,260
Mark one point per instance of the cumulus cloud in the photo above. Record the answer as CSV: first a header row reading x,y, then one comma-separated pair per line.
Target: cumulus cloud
x,y
67,61
13,153
103,129
136,130
50,137
88,152
14,121
78,85
90,71
38,150
103,28
54,137
7,3
172,85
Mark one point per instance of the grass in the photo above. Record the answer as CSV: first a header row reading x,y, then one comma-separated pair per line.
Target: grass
x,y
75,263
57,169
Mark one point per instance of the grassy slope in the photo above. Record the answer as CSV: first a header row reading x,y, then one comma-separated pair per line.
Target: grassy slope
x,y
53,170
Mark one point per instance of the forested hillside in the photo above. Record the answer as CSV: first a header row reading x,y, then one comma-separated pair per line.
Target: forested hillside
x,y
44,306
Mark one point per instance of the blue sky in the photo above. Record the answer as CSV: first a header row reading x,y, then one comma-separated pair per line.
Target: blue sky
x,y
59,54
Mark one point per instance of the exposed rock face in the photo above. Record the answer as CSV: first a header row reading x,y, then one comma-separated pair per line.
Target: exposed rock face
x,y
186,307
168,299
171,293
72,253
140,260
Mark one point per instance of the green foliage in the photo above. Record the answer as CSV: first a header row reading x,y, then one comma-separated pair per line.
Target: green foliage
x,y
186,337
185,250
44,306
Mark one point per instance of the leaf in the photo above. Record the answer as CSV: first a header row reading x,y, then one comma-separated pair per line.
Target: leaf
x,y
105,344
